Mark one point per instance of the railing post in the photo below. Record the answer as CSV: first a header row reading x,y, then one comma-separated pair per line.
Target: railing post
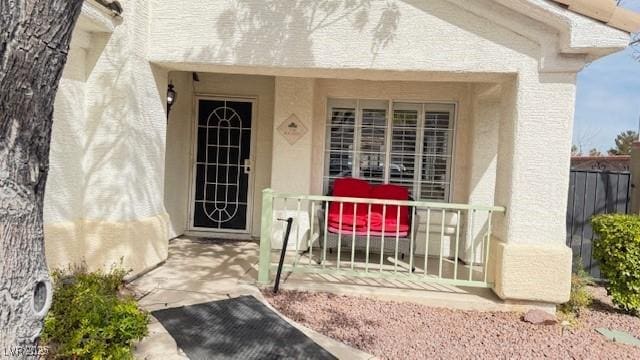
x,y
264,266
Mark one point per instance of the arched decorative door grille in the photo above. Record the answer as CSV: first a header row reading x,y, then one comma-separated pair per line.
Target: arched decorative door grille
x,y
222,165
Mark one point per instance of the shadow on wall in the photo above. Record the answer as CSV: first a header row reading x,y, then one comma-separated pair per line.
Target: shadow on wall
x,y
123,146
474,24
121,143
280,32
275,32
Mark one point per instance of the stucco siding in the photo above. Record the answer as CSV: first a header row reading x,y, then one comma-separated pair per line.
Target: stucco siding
x,y
534,156
108,147
292,163
531,272
178,154
483,155
529,254
137,245
396,35
63,198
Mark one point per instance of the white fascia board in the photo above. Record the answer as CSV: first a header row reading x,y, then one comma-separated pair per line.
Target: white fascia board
x,y
551,58
578,34
567,40
96,18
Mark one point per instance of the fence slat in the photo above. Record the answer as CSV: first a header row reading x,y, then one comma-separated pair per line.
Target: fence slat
x,y
311,238
592,193
426,247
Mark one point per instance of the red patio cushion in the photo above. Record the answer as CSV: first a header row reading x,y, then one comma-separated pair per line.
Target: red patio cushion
x,y
349,187
363,221
362,232
390,192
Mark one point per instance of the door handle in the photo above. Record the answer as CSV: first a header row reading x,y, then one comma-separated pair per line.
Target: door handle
x,y
247,166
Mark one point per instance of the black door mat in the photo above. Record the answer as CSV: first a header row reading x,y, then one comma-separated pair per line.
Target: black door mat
x,y
238,328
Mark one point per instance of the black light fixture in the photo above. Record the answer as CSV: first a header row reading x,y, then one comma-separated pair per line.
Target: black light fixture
x,y
171,97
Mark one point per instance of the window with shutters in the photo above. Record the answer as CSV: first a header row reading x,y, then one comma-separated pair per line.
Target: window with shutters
x,y
408,144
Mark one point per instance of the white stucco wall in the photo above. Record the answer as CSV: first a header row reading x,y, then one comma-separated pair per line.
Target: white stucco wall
x,y
399,35
292,163
536,153
481,172
178,154
396,35
104,198
63,201
180,138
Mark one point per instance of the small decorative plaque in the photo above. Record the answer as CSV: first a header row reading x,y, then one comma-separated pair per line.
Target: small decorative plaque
x,y
292,129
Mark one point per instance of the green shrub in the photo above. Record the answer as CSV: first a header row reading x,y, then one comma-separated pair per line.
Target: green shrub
x,y
618,250
580,297
89,320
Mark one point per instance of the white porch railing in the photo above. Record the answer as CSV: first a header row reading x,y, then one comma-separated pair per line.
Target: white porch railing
x,y
446,243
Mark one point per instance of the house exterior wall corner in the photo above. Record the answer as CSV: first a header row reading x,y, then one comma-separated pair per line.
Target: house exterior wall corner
x,y
104,200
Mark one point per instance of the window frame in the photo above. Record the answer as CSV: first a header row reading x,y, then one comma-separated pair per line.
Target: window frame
x,y
424,105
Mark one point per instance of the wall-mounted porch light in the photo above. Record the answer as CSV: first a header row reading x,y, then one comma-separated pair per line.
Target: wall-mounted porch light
x,y
171,98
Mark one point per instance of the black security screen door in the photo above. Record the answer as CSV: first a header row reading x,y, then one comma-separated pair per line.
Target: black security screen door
x,y
222,165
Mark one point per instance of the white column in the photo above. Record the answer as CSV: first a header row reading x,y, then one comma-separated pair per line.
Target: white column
x,y
531,259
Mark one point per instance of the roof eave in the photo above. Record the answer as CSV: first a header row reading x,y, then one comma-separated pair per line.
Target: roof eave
x,y
578,34
96,18
607,12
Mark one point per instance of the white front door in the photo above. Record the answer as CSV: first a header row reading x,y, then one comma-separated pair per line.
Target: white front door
x,y
222,181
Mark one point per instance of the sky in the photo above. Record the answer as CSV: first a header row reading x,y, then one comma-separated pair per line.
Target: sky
x,y
608,97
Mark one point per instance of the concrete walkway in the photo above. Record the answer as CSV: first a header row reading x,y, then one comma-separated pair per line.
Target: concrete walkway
x,y
200,271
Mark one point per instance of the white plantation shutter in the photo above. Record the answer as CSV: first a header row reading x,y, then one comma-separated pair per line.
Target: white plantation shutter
x,y
339,152
418,156
404,137
435,177
371,155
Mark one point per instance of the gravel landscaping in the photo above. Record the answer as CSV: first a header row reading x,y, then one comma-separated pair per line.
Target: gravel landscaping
x,y
394,330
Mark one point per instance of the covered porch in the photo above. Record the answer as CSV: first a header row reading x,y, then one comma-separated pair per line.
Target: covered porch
x,y
448,141
475,122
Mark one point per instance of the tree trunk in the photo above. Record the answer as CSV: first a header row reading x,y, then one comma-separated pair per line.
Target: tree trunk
x,y
34,42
